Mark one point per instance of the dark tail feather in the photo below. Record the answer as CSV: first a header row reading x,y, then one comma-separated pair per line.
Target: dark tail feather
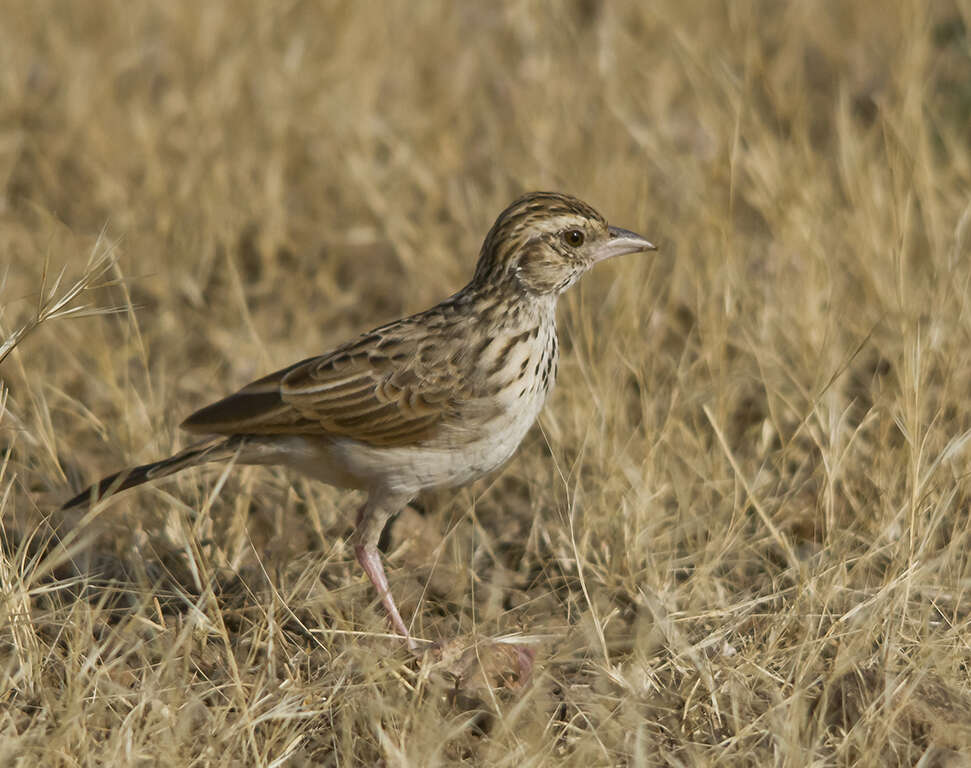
x,y
128,478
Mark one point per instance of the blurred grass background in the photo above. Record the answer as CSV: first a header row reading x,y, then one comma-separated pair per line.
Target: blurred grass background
x,y
740,534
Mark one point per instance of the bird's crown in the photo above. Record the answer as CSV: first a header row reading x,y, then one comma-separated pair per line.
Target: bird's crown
x,y
540,231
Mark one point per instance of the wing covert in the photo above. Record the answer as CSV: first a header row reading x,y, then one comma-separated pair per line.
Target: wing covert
x,y
368,396
387,390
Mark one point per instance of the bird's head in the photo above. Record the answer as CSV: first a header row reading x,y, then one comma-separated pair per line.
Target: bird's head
x,y
545,241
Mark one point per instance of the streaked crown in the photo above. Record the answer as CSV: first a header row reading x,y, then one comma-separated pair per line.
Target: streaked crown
x,y
534,222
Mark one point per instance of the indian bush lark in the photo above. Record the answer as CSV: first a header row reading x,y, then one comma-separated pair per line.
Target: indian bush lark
x,y
434,400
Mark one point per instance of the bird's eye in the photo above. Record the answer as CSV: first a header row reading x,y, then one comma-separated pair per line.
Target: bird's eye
x,y
573,238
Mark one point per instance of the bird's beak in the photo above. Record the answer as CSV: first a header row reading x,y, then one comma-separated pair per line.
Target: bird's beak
x,y
623,241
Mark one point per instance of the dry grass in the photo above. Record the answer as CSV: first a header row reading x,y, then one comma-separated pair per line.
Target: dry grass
x,y
743,531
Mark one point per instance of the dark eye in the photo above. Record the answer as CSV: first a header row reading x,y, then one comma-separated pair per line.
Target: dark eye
x,y
573,238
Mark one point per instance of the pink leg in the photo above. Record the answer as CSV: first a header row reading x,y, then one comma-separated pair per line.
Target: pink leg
x,y
370,561
370,521
495,660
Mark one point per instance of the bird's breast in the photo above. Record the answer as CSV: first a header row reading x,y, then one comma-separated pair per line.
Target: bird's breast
x,y
495,427
516,373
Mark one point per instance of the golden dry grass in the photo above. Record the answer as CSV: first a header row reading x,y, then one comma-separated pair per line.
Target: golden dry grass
x,y
742,533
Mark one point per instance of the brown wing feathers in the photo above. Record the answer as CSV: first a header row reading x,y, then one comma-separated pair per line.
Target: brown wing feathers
x,y
394,397
255,406
368,397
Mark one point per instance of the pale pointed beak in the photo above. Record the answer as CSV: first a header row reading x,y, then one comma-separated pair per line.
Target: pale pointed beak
x,y
623,241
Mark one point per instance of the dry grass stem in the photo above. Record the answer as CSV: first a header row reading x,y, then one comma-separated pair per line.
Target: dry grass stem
x,y
741,534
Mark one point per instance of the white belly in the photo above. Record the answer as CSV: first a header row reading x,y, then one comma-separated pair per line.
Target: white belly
x,y
409,470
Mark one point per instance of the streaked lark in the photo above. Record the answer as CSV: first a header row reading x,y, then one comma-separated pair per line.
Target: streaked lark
x,y
434,400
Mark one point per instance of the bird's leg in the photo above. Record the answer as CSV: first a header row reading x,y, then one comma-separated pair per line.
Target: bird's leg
x,y
497,663
371,520
370,561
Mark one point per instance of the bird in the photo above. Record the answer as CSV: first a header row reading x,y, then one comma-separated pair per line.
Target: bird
x,y
433,400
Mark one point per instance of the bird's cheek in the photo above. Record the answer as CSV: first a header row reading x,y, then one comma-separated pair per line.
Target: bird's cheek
x,y
542,276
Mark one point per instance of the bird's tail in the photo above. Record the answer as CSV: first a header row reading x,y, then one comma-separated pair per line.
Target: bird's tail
x,y
221,449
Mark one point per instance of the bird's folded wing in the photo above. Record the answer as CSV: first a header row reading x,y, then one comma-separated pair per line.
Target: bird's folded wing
x,y
356,392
